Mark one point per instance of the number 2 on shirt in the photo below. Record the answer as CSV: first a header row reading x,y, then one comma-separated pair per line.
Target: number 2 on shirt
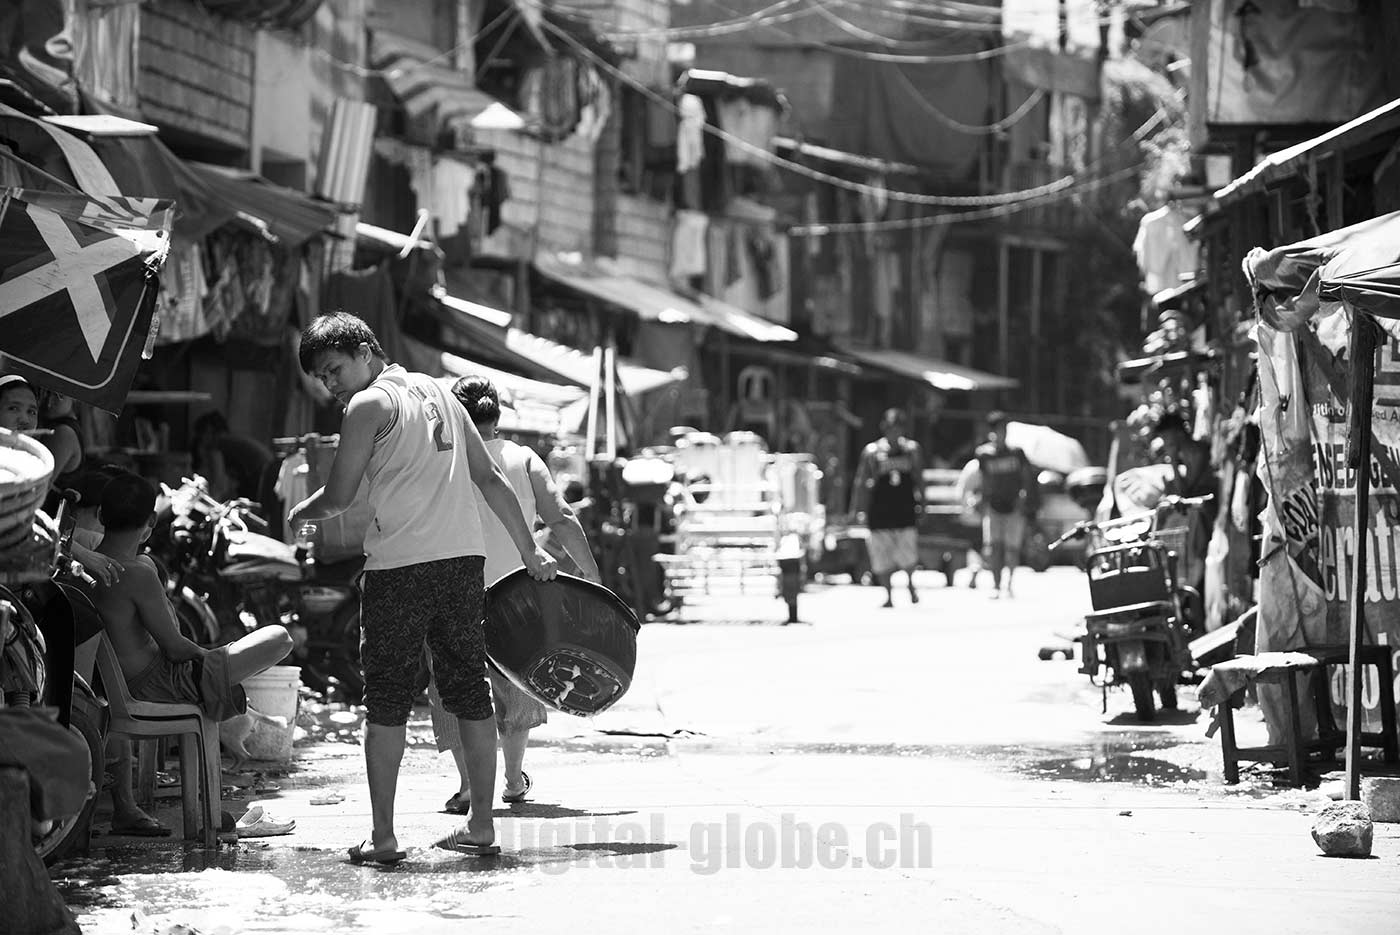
x,y
434,414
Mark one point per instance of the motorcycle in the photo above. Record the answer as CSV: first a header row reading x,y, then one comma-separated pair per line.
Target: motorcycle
x,y
50,628
222,558
1143,617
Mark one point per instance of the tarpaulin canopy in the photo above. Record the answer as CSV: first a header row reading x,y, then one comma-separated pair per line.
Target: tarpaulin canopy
x,y
290,216
601,279
533,405
939,374
477,326
1287,280
1375,291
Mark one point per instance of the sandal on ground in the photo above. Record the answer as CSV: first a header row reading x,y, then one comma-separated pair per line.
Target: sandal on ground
x,y
457,842
510,798
459,804
362,853
143,827
256,823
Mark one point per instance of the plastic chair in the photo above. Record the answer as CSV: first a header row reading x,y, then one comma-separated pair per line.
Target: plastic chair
x,y
199,741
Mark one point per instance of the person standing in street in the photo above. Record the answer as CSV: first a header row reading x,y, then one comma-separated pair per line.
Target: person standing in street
x,y
887,495
516,712
424,463
1003,489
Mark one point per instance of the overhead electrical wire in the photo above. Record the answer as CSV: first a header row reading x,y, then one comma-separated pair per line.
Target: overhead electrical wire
x,y
1010,120
944,201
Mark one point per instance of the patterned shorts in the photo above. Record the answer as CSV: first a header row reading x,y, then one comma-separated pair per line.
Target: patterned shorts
x,y
438,602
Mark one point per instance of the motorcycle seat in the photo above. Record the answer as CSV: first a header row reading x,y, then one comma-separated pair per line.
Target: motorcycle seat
x,y
1143,609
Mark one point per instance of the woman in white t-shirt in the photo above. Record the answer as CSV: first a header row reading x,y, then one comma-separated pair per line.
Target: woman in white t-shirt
x,y
516,712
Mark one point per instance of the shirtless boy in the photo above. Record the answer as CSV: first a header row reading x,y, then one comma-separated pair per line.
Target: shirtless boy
x,y
158,662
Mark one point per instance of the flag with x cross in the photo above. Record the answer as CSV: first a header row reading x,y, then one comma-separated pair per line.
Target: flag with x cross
x,y
78,283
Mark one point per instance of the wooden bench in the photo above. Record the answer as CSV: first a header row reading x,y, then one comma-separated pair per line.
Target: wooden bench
x,y
1294,750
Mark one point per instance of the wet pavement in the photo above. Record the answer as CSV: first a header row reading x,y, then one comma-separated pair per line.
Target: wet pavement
x,y
852,774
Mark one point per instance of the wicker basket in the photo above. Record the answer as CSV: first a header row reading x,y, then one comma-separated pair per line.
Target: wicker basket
x,y
25,469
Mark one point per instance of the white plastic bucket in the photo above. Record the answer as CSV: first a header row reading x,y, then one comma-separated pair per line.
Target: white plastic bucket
x,y
273,693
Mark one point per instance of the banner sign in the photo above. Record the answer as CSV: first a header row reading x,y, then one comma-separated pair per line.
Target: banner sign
x,y
78,283
1311,526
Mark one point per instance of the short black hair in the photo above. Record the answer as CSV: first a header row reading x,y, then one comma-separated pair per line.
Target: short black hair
x,y
91,483
479,397
996,419
13,381
128,502
336,331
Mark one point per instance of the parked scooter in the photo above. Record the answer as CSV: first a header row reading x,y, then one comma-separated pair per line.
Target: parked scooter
x,y
1143,617
50,628
221,557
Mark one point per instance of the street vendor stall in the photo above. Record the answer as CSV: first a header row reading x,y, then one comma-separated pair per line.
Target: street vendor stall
x,y
1327,311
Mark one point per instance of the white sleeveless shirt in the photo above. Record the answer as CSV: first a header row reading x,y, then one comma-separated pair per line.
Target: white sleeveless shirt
x,y
502,557
425,504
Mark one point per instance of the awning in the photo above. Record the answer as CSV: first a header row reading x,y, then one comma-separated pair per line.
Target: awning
x,y
1287,280
939,374
600,279
285,14
1176,296
1285,162
530,354
290,216
127,162
724,86
535,406
426,84
1133,371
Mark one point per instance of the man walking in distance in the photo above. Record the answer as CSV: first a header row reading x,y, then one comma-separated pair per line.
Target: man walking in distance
x,y
1004,491
887,494
406,436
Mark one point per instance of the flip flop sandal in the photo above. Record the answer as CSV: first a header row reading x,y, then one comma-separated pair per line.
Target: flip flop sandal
x,y
327,798
457,805
457,843
510,798
363,853
143,828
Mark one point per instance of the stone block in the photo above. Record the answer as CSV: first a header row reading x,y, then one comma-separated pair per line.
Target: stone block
x,y
1344,830
1381,794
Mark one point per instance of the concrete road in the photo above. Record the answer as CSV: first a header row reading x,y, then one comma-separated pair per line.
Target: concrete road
x,y
911,769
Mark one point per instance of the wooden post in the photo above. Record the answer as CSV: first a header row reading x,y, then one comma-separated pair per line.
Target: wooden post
x,y
1004,307
610,391
32,905
594,387
1363,375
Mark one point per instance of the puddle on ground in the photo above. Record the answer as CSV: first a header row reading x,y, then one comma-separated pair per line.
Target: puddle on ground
x,y
1115,767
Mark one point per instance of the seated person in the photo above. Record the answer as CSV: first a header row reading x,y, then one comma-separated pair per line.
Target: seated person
x,y
159,663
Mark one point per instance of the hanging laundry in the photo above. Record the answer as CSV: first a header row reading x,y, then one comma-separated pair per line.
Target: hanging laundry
x,y
688,244
489,192
369,294
1164,252
734,258
596,105
690,134
749,130
451,201
182,291
764,261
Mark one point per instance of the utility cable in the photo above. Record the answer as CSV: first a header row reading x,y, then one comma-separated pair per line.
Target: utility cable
x,y
945,201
